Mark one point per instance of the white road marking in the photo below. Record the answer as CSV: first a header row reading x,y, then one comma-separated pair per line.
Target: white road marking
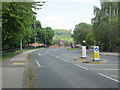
x,y
65,60
38,63
80,66
42,54
57,57
109,77
104,69
99,64
54,55
114,76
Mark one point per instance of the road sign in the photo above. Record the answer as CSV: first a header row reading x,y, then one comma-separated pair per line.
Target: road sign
x,y
96,55
96,49
84,41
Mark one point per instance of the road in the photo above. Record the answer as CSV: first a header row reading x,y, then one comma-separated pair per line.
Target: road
x,y
56,68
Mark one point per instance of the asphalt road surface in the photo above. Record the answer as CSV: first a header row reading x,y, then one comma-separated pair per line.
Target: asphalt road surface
x,y
56,68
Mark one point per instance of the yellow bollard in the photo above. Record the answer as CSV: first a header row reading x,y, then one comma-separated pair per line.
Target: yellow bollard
x,y
96,56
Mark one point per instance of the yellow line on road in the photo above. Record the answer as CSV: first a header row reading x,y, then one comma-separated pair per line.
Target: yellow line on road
x,y
19,64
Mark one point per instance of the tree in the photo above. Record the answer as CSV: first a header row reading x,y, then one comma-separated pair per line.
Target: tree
x,y
17,20
90,38
105,25
49,34
80,32
45,35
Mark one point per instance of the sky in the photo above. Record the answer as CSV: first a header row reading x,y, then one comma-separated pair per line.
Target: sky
x,y
66,14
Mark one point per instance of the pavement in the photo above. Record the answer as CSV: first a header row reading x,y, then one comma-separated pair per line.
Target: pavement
x,y
13,71
110,53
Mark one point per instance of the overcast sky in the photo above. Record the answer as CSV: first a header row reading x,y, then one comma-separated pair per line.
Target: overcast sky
x,y
65,14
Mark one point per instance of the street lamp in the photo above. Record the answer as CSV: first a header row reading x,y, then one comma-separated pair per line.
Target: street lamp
x,y
34,21
93,23
45,35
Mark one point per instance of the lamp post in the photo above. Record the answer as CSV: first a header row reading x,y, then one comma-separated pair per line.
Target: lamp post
x,y
93,22
34,23
45,35
21,45
35,33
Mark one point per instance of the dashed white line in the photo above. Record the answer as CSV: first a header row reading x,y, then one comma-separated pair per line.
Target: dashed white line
x,y
57,57
109,77
42,54
80,66
65,60
38,63
52,55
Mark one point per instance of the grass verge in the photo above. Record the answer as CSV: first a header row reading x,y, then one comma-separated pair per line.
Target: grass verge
x,y
12,54
73,49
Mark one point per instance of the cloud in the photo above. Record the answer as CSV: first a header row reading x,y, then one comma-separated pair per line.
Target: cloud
x,y
93,2
73,1
50,17
61,22
57,23
54,19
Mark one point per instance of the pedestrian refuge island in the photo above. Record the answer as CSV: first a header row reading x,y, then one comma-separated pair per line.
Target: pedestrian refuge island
x,y
94,59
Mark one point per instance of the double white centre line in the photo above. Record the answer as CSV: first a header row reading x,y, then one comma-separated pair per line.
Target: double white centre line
x,y
38,63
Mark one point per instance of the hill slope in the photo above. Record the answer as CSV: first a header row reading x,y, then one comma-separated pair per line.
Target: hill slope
x,y
62,35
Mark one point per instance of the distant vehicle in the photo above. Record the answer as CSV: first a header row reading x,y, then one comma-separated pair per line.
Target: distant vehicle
x,y
77,45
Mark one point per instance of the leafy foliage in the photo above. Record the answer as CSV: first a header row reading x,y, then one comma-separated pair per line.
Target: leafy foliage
x,y
105,25
19,24
80,32
17,19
